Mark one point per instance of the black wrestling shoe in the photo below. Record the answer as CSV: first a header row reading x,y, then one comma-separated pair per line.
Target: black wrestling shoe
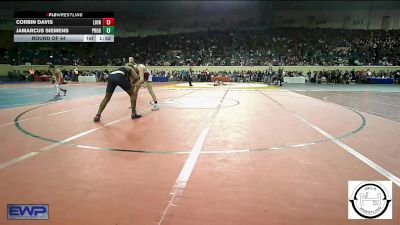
x,y
97,118
65,92
135,116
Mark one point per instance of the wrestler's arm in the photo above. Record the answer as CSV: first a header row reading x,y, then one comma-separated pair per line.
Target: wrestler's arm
x,y
133,75
141,73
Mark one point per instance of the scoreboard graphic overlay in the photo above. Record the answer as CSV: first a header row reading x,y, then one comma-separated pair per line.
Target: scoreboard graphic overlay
x,y
63,26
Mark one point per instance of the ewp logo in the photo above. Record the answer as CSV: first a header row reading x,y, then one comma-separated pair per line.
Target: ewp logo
x,y
27,212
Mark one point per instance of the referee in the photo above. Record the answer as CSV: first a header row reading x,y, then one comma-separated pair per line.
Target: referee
x,y
280,76
190,75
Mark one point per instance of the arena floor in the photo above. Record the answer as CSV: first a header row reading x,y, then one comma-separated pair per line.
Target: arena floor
x,y
229,155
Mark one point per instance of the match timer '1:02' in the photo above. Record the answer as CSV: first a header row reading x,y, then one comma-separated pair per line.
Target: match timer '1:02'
x,y
31,26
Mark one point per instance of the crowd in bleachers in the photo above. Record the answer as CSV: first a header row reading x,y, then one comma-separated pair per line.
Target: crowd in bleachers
x,y
268,75
271,75
284,46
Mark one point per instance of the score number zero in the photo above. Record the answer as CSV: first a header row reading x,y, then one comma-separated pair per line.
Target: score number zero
x,y
108,26
104,30
104,22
